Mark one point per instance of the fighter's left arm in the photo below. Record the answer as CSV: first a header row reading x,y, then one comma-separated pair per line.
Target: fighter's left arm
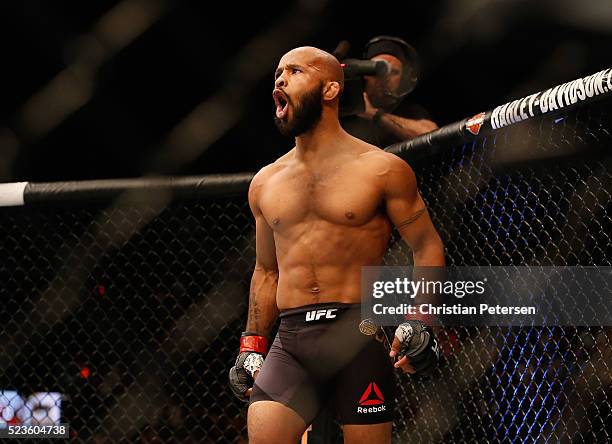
x,y
414,342
408,212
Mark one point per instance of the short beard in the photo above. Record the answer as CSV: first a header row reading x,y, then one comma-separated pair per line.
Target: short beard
x,y
306,114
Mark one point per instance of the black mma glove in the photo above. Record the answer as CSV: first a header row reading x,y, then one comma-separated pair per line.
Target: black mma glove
x,y
417,341
250,359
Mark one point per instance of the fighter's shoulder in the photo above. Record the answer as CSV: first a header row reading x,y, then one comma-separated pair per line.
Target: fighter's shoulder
x,y
384,163
267,172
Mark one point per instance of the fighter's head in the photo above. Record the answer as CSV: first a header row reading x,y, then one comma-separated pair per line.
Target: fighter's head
x,y
307,87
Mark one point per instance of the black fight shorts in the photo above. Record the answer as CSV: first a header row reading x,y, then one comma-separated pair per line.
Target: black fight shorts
x,y
319,355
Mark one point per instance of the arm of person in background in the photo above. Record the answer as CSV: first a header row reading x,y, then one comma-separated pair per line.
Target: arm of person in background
x,y
401,127
263,310
414,342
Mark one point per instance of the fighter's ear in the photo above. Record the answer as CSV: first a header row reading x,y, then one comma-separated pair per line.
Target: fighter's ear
x,y
331,90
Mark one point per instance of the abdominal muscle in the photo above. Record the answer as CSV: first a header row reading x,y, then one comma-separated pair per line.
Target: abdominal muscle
x,y
320,262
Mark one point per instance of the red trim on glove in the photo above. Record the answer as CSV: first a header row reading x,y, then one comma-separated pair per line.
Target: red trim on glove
x,y
427,319
257,344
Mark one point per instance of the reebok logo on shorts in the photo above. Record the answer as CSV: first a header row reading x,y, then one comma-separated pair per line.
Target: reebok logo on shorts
x,y
372,396
315,315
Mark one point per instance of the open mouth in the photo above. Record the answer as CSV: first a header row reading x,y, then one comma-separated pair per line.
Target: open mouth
x,y
281,102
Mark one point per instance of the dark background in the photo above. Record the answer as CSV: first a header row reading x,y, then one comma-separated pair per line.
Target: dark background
x,y
184,87
149,300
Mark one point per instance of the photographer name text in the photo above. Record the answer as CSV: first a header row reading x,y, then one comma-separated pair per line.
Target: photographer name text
x,y
456,309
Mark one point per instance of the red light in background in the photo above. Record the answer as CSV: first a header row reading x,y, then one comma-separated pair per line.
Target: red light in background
x,y
101,290
85,372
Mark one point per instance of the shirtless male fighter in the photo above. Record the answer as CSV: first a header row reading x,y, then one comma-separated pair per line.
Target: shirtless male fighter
x,y
322,211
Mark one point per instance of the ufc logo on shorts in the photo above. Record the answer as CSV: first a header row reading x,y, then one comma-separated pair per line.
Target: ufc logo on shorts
x,y
315,315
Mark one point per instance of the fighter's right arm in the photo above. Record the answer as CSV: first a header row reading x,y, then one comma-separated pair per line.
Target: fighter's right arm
x,y
262,301
263,310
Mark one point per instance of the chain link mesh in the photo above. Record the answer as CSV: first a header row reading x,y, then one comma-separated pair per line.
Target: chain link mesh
x,y
539,193
132,313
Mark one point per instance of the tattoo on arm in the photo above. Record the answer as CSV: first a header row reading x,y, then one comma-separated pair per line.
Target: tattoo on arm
x,y
411,219
258,321
263,311
253,316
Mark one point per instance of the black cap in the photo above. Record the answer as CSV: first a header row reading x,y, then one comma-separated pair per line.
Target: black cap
x,y
385,44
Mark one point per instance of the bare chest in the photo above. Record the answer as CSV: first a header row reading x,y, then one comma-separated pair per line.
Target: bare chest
x,y
339,198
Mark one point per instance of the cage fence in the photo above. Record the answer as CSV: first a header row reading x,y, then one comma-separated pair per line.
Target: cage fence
x,y
124,319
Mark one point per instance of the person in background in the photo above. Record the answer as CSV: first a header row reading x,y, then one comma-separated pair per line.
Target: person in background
x,y
387,117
